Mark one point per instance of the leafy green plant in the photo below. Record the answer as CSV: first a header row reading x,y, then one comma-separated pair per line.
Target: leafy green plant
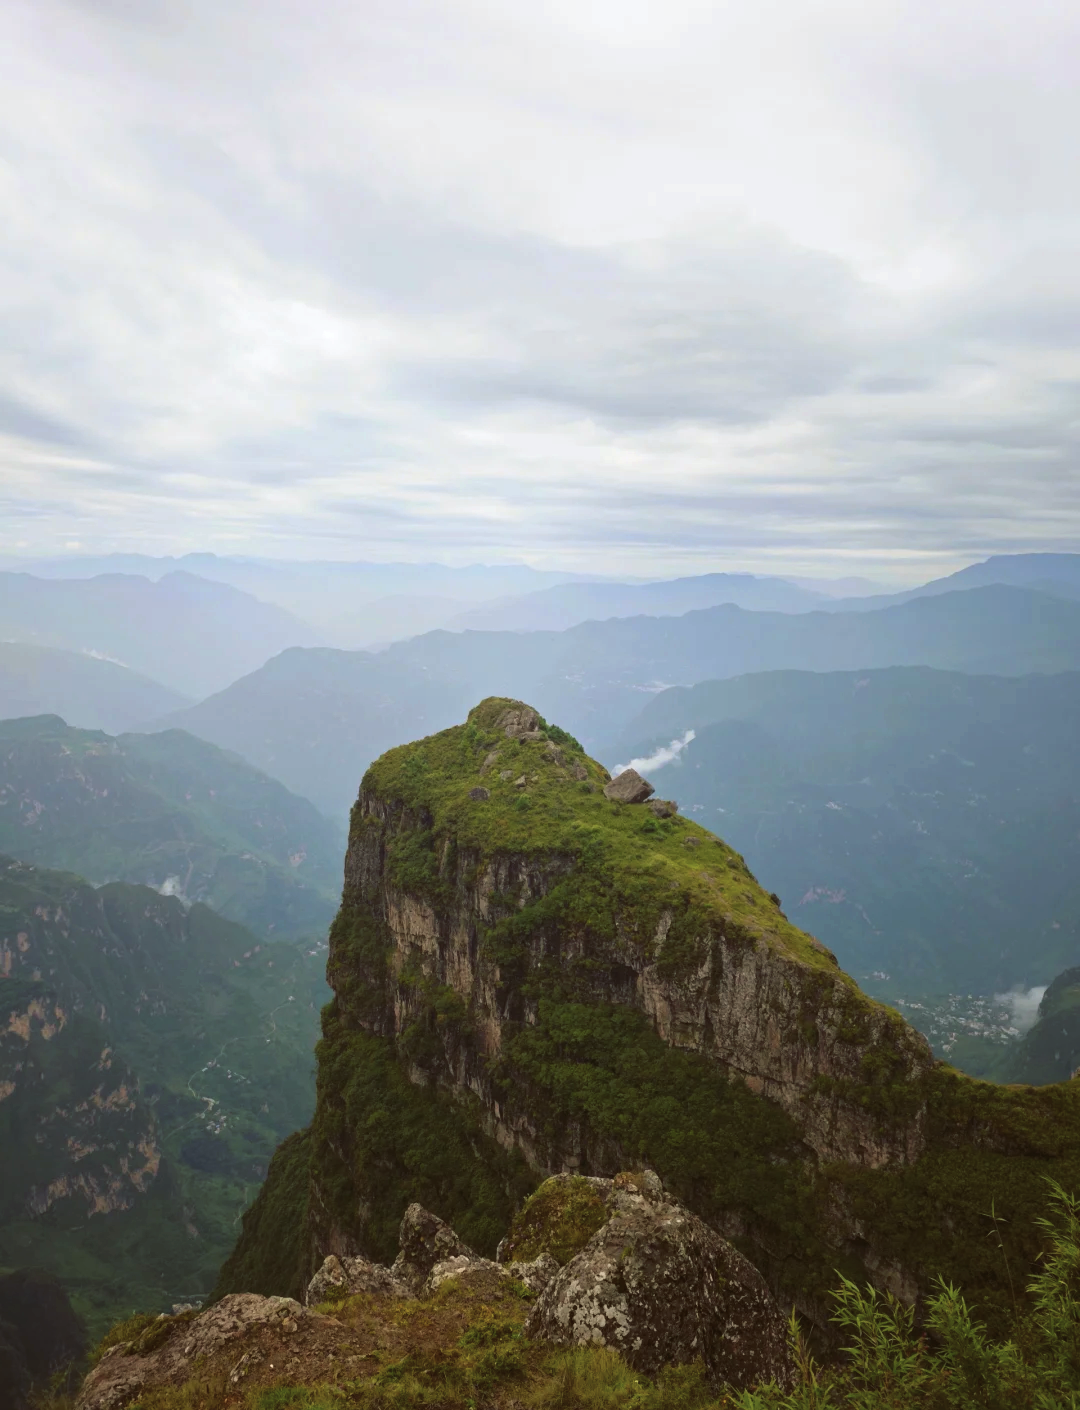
x,y
950,1362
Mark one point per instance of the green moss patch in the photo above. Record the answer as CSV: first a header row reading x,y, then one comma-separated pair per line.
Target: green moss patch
x,y
559,1218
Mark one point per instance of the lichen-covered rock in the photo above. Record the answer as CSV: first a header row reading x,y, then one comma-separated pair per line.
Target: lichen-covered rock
x,y
628,787
662,1288
662,807
130,1368
425,1241
536,1274
482,1276
342,1277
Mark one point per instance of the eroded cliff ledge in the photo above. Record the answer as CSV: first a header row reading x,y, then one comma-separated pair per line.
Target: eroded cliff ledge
x,y
529,978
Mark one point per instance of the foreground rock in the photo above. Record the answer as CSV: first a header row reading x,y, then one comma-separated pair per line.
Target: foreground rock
x,y
165,1353
342,1277
661,1287
431,1255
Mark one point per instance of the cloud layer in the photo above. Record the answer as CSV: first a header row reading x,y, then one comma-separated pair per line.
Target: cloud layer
x,y
632,287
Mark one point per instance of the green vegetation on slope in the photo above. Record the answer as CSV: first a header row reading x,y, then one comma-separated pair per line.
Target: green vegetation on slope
x,y
944,1359
1050,1051
170,811
271,1256
151,1058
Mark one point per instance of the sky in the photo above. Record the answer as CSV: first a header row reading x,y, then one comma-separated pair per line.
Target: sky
x,y
619,287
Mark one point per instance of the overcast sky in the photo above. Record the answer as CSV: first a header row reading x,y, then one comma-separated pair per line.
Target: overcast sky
x,y
790,285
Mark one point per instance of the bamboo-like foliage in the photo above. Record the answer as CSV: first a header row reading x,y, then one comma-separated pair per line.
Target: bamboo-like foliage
x,y
948,1361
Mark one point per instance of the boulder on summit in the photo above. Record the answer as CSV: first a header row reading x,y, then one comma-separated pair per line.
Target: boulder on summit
x,y
629,787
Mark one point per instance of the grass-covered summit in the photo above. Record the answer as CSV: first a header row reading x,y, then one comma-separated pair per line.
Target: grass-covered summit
x,y
545,799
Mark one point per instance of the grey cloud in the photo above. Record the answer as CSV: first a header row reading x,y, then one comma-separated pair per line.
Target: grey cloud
x,y
251,292
19,419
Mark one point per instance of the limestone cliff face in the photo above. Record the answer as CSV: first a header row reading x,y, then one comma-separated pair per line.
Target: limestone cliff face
x,y
500,916
796,1032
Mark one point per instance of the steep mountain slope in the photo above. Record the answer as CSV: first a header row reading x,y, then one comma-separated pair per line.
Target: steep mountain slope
x,y
315,719
1050,1051
529,977
95,694
925,824
150,1059
556,608
192,635
39,1336
169,811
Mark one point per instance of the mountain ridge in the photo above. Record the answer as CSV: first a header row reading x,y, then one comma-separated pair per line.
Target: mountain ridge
x,y
193,635
287,719
530,977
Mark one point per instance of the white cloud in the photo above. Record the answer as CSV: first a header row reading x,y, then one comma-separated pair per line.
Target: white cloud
x,y
1024,1004
664,755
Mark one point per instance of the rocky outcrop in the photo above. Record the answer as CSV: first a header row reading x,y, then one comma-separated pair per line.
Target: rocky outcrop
x,y
344,1277
642,1275
431,1255
662,807
167,1352
662,1288
629,787
476,913
425,1242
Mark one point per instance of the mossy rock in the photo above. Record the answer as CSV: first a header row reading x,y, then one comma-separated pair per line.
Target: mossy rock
x,y
559,1218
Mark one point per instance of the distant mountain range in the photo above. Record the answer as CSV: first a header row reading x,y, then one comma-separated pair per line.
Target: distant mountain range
x,y
924,824
350,605
191,635
173,812
1057,574
86,691
151,1057
316,719
367,605
556,608
566,605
